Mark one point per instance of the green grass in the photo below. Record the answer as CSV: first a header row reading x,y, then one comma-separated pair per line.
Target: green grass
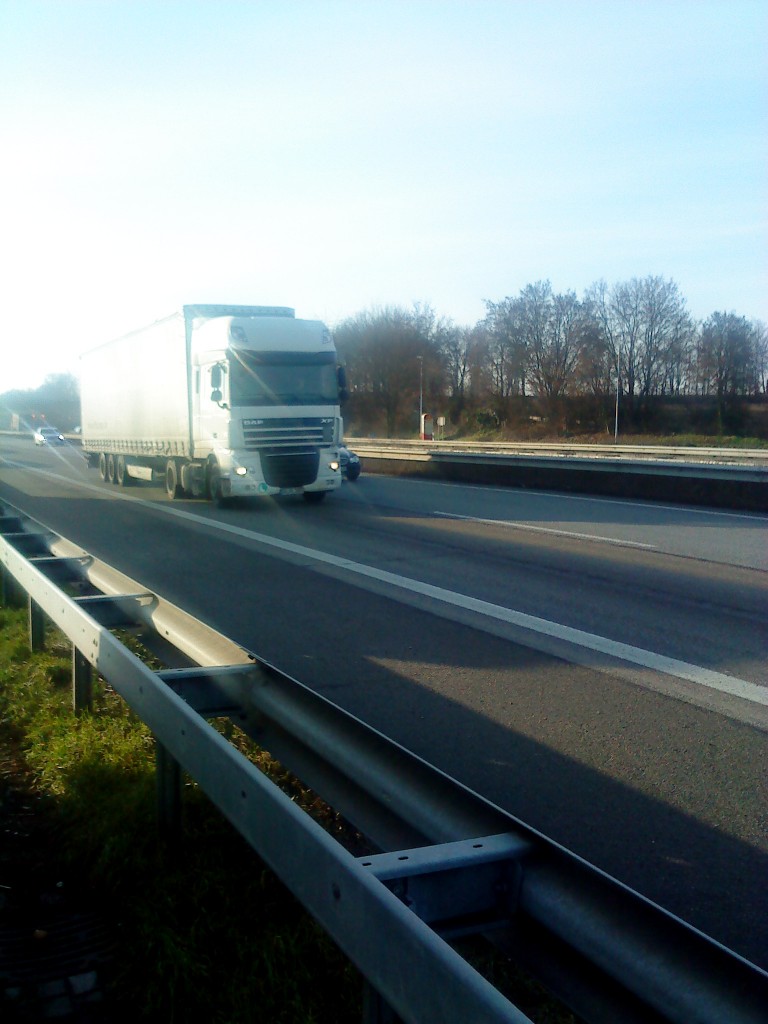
x,y
701,441
203,930
541,434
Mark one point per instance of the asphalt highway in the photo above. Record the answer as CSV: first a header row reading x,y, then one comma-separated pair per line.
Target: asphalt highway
x,y
597,667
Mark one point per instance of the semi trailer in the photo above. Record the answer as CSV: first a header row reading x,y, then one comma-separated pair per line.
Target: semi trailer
x,y
217,401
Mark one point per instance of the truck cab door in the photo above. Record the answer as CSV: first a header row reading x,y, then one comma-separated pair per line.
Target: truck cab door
x,y
211,409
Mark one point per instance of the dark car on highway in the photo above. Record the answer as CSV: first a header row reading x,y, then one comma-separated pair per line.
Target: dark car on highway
x,y
350,463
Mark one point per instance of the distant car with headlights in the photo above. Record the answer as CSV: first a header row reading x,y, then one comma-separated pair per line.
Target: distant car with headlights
x,y
350,463
48,435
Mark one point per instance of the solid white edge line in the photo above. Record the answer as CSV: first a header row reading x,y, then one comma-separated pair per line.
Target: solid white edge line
x,y
564,496
634,655
614,648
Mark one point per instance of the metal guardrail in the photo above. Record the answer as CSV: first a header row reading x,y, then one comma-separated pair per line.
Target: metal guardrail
x,y
664,453
700,454
725,478
451,862
718,477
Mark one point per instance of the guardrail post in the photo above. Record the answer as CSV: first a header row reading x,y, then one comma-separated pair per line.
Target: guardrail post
x,y
11,594
82,682
36,626
168,773
375,1009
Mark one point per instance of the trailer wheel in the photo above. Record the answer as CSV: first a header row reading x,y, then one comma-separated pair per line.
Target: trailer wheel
x,y
103,465
111,468
121,473
172,486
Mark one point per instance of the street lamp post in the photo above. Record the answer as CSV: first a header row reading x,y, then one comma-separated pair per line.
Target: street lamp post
x,y
421,393
618,389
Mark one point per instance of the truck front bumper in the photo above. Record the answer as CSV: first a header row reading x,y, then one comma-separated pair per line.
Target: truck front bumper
x,y
247,477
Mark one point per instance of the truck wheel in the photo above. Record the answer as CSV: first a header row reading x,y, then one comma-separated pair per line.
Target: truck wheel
x,y
172,485
213,486
121,474
111,468
103,465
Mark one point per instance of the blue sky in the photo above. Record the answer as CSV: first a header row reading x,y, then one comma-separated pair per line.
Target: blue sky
x,y
336,156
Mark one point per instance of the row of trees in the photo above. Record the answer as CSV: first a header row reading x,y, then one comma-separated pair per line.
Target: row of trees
x,y
555,356
537,355
56,402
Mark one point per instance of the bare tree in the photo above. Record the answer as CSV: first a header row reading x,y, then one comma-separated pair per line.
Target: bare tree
x,y
597,366
634,339
554,328
646,328
456,347
479,345
506,347
760,357
625,311
726,354
727,358
535,342
616,316
664,327
389,352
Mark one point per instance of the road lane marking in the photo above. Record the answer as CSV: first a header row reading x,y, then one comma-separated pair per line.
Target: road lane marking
x,y
718,681
730,685
548,529
595,499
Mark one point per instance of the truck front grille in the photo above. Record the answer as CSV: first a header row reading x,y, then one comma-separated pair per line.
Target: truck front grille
x,y
259,434
290,469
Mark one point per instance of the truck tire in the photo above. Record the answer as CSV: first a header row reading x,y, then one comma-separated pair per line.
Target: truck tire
x,y
111,468
213,489
103,466
121,473
172,484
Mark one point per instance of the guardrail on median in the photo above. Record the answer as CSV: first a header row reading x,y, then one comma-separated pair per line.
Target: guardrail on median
x,y
575,449
718,477
450,862
725,478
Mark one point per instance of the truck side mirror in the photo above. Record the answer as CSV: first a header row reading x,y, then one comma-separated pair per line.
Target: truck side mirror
x,y
216,395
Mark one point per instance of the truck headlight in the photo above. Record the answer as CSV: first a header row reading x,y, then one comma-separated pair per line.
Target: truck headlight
x,y
240,471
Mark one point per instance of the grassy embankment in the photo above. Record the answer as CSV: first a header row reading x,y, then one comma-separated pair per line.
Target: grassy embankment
x,y
203,931
639,440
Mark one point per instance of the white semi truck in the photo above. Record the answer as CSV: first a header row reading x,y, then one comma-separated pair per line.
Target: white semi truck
x,y
217,401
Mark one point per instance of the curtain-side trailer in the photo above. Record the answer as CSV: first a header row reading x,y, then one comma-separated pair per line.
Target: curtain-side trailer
x,y
217,401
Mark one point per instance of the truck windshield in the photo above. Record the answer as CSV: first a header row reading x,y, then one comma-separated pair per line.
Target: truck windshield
x,y
282,378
